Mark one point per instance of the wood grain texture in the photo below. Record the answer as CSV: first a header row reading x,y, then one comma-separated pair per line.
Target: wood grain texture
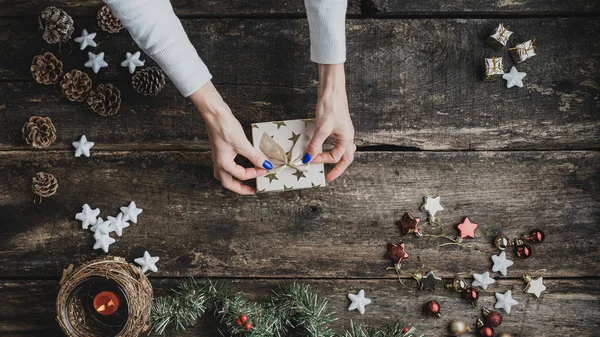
x,y
487,7
568,308
341,231
413,83
182,7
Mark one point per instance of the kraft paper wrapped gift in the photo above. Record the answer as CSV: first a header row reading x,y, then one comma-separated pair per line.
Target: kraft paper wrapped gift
x,y
284,143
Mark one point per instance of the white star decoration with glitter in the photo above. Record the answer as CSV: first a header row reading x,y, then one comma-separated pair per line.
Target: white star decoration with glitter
x,y
87,216
147,262
505,301
536,287
432,205
132,61
514,77
117,224
86,40
131,212
82,147
501,263
96,61
358,301
103,240
483,280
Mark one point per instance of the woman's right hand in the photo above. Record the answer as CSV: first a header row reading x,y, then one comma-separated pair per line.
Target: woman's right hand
x,y
227,140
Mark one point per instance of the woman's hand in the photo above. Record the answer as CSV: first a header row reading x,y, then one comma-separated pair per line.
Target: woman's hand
x,y
227,140
332,119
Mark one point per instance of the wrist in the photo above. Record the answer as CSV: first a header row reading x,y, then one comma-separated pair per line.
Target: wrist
x,y
331,77
209,102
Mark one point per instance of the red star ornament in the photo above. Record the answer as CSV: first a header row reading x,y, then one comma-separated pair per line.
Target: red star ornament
x,y
467,229
397,253
409,223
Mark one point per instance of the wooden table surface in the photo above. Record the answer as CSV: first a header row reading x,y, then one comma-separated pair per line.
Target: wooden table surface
x,y
509,159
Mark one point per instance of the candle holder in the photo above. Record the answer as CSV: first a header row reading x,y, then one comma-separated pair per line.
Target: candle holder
x,y
104,298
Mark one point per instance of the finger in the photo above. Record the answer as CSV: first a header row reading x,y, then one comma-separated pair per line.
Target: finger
x,y
316,143
343,164
256,156
234,185
334,156
243,173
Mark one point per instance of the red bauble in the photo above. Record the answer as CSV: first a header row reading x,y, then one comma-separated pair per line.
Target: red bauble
x,y
433,308
524,251
248,326
493,318
472,295
244,318
405,330
485,331
238,322
536,236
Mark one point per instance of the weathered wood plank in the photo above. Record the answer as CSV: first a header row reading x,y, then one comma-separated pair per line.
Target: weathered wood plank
x,y
568,308
181,7
407,86
489,7
199,229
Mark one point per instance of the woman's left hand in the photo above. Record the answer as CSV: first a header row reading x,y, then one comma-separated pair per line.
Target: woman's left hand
x,y
332,119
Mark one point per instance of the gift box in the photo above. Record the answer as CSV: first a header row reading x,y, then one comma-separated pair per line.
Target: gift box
x,y
522,51
493,69
284,142
499,37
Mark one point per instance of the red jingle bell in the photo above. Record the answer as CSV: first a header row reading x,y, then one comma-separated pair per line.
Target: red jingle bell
x,y
433,309
244,318
405,329
492,318
248,326
472,295
238,322
485,331
536,236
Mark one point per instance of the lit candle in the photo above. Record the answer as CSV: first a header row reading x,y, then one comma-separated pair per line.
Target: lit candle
x,y
106,303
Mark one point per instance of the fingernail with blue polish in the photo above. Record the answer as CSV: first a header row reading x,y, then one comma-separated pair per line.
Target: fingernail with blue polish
x,y
267,164
306,158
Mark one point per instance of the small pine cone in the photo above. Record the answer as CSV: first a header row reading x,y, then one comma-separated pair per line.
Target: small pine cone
x,y
39,132
107,21
46,69
56,25
44,184
105,100
76,85
149,81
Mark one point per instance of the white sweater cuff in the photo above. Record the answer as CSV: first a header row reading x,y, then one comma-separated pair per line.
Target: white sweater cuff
x,y
326,20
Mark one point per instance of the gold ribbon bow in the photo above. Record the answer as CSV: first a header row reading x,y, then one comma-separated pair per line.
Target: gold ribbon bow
x,y
278,157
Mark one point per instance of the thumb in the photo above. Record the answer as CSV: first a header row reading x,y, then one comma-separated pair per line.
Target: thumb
x,y
316,143
256,156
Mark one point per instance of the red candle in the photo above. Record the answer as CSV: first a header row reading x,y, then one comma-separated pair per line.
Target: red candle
x,y
106,303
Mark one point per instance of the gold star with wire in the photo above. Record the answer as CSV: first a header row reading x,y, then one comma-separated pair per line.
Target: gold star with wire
x,y
279,124
299,174
294,138
271,177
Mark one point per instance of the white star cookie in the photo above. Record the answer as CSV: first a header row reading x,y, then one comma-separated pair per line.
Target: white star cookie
x,y
132,61
96,61
82,147
147,262
483,280
103,240
87,216
514,77
86,40
358,302
501,263
117,224
505,301
131,212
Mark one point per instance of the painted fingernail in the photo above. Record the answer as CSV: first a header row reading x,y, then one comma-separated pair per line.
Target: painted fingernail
x,y
267,164
306,158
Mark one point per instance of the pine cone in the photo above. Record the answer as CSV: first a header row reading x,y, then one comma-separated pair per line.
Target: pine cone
x,y
149,81
46,69
76,85
44,184
39,132
105,100
107,21
56,25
